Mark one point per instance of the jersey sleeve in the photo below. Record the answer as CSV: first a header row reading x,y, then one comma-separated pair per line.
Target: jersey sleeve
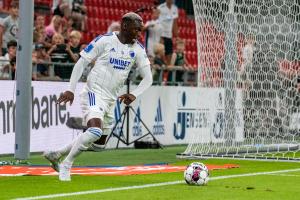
x,y
175,14
142,58
94,49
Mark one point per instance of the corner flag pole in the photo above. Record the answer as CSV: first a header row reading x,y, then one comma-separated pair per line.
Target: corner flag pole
x,y
24,74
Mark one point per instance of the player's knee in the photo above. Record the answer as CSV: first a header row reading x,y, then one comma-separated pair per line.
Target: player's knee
x,y
95,131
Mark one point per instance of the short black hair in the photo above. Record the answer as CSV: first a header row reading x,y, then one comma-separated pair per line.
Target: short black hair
x,y
12,43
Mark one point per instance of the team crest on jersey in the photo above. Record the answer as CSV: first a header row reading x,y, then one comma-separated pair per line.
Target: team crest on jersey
x,y
132,54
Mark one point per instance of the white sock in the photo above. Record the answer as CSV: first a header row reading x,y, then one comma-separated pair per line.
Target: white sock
x,y
66,149
82,143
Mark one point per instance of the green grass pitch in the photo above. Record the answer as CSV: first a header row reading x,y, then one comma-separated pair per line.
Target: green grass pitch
x,y
278,186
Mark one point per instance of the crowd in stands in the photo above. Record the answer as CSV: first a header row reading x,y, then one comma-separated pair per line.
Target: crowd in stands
x,y
58,40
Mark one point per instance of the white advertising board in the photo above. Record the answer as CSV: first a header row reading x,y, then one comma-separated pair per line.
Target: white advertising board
x,y
174,115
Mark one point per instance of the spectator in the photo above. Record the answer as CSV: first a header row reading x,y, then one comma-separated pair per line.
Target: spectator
x,y
62,8
246,83
13,67
179,60
39,58
74,43
68,27
158,61
159,55
39,37
60,52
178,57
246,67
6,61
168,19
114,26
54,27
79,14
154,31
9,27
39,23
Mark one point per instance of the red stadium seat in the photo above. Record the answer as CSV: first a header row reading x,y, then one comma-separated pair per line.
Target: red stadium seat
x,y
88,2
182,13
111,4
96,12
105,3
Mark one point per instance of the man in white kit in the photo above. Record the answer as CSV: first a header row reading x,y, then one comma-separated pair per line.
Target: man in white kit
x,y
115,54
168,19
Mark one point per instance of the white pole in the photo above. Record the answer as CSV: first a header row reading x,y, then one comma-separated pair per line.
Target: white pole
x,y
24,74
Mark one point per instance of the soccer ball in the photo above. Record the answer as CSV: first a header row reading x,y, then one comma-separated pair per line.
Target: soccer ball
x,y
196,174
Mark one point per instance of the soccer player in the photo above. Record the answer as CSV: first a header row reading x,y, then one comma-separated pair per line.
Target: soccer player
x,y
115,54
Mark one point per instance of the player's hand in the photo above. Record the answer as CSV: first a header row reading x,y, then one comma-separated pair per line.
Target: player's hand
x,y
127,98
65,97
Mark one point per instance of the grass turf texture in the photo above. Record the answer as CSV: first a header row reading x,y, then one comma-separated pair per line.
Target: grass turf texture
x,y
243,188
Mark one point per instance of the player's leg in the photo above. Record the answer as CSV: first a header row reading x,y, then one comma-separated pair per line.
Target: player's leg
x,y
168,49
54,157
93,112
108,122
82,143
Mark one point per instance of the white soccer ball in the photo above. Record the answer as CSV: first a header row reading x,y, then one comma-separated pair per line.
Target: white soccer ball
x,y
196,174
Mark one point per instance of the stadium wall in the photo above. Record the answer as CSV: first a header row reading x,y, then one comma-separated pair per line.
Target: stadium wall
x,y
173,114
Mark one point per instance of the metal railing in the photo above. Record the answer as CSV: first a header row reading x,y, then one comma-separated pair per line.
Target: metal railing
x,y
161,75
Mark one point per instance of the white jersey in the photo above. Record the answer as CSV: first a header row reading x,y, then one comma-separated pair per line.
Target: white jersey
x,y
154,33
114,61
166,18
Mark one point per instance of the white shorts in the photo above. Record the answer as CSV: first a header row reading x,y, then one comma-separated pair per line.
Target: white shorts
x,y
96,106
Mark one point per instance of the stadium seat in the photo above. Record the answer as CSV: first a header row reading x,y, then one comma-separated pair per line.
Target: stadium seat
x,y
182,13
111,4
96,12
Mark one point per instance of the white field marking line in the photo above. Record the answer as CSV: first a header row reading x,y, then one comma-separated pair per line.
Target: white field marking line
x,y
292,175
150,185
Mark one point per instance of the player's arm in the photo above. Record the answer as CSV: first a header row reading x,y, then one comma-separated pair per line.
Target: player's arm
x,y
89,54
76,74
143,66
146,82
